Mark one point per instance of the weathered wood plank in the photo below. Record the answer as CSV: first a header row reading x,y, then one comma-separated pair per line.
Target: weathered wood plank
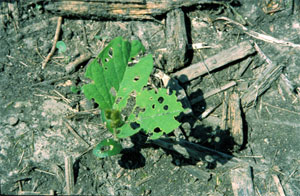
x,y
176,40
223,58
117,9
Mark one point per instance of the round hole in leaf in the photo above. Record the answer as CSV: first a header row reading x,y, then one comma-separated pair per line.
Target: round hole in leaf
x,y
134,125
153,106
106,148
166,107
157,130
110,52
160,99
99,61
136,78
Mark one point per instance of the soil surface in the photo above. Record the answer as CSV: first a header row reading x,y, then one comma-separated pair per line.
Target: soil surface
x,y
38,110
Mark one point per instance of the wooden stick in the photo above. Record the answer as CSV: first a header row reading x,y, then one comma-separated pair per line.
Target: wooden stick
x,y
208,111
260,36
75,134
57,32
69,175
120,10
224,124
241,181
70,68
235,119
278,185
221,59
213,92
176,40
262,83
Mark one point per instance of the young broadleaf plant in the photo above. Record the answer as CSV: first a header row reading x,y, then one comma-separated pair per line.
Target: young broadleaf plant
x,y
114,82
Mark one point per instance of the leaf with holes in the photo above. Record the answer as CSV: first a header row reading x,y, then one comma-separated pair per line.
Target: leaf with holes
x,y
113,79
156,116
107,148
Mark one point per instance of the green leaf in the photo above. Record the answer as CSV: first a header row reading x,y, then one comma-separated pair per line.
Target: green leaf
x,y
114,81
113,78
136,48
158,115
106,148
61,46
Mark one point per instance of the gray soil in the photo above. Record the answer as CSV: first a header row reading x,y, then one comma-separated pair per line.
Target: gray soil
x,y
37,106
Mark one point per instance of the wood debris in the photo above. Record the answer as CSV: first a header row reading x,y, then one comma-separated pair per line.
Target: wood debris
x,y
221,59
261,84
120,10
235,119
241,181
176,40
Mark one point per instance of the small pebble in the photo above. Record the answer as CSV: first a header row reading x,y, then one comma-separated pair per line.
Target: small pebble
x,y
13,120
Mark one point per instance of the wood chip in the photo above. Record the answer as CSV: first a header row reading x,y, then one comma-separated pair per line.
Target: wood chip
x,y
221,59
176,40
235,119
69,175
261,84
116,9
241,181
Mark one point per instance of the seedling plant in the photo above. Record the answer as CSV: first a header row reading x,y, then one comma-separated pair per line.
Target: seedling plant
x,y
115,79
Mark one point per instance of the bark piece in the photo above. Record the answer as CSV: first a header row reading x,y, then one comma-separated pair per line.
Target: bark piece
x,y
117,9
221,59
241,181
224,124
261,84
69,175
176,40
235,119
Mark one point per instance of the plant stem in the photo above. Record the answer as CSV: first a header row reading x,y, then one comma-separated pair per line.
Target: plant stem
x,y
115,134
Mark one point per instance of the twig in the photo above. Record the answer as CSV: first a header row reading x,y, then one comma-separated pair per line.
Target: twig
x,y
76,135
69,175
282,109
59,21
42,171
70,68
224,124
261,53
47,82
62,97
209,111
260,36
213,92
86,112
287,85
21,158
278,184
